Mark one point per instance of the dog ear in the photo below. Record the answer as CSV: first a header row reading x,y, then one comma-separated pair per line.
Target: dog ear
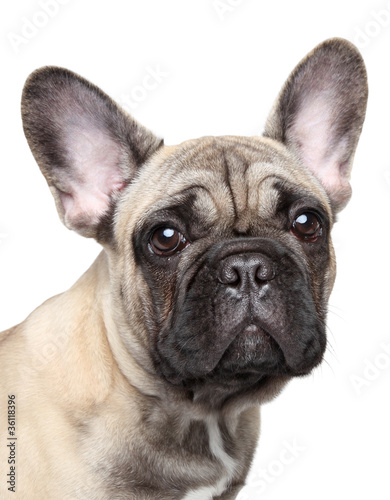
x,y
86,146
320,112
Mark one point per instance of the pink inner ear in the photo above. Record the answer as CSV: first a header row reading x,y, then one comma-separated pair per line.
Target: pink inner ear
x,y
94,174
312,132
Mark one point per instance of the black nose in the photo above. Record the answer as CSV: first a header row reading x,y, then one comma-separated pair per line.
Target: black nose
x,y
241,270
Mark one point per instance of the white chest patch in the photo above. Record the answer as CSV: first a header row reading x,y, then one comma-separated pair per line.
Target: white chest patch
x,y
217,449
200,494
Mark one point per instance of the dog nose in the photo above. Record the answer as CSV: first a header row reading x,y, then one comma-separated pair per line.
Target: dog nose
x,y
241,270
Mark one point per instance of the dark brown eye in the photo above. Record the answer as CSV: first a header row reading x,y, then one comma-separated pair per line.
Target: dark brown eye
x,y
166,241
307,227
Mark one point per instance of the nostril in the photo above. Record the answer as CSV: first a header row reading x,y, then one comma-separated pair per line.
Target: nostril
x,y
229,275
264,272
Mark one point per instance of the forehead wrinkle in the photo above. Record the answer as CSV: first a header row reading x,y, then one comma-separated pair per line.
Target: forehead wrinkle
x,y
251,187
235,180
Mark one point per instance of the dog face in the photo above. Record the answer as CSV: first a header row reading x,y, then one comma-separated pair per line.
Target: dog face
x,y
237,264
219,249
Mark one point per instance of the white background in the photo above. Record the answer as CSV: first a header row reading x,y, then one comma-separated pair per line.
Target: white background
x,y
223,64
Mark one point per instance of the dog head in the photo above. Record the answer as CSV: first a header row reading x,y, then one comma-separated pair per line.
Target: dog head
x,y
220,256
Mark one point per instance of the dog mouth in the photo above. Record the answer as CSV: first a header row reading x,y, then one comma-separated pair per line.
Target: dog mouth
x,y
253,366
250,351
250,364
252,357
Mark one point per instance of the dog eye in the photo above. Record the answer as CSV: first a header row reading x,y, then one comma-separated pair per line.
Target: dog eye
x,y
307,227
166,241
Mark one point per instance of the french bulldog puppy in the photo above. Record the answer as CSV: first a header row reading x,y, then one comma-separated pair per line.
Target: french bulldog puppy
x,y
144,380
